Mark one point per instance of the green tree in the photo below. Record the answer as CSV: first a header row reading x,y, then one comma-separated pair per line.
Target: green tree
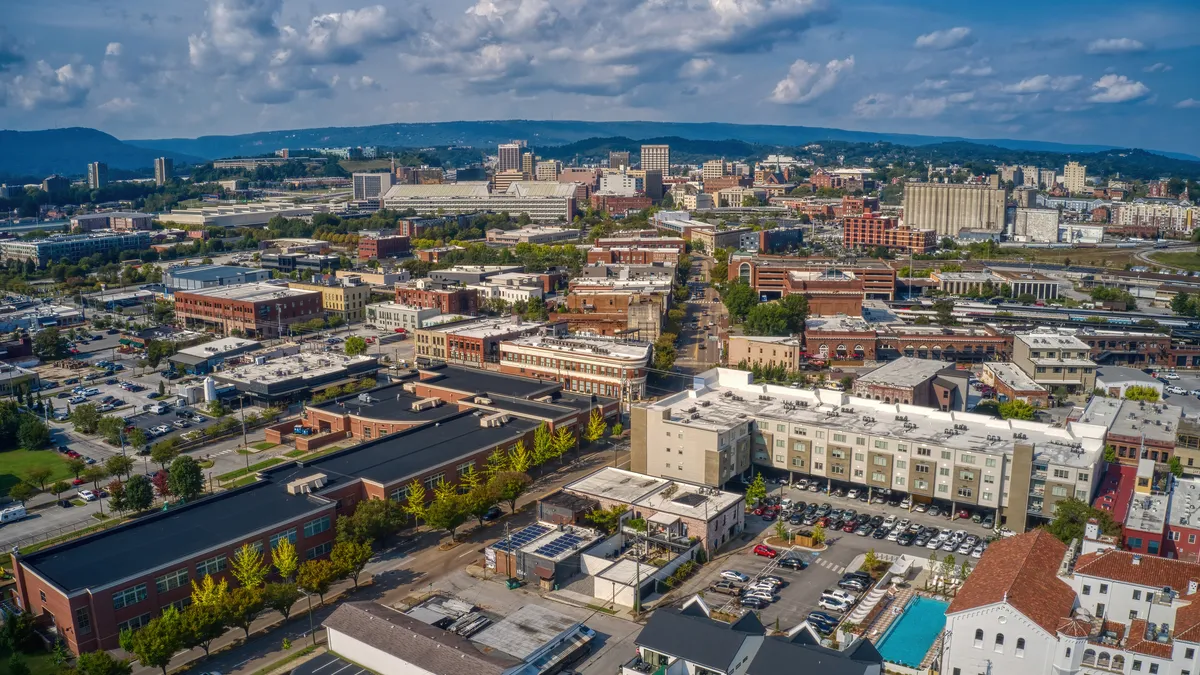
x,y
519,459
1110,454
201,624
137,439
664,351
1176,466
38,476
243,605
1017,409
373,520
496,462
139,492
944,311
85,418
111,429
17,665
119,465
156,643
33,434
316,576
564,440
281,597
59,487
756,491
355,345
446,512
1140,392
608,520
870,561
509,486
248,567
768,318
543,445
351,557
596,427
285,559
739,298
187,480
1071,516
818,534
22,492
480,499
163,453
414,502
796,306
101,662
49,345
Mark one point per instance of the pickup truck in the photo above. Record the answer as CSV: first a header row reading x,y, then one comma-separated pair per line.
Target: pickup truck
x,y
727,588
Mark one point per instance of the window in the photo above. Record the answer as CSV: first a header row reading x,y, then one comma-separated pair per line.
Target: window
x,y
1061,473
858,457
1083,477
966,475
900,447
1058,491
964,491
943,488
210,566
134,623
1137,664
944,471
880,460
1189,653
999,645
839,438
1103,588
967,459
990,462
1020,647
43,595
920,468
319,550
882,445
820,434
400,494
83,620
181,603
901,464
465,467
1087,590
315,527
129,596
290,535
924,452
1153,669
986,496
171,580
859,440
989,479
979,638
945,454
1137,595
878,476
1132,614
433,481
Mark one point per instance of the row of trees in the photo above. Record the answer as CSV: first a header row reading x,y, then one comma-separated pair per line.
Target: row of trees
x,y
781,317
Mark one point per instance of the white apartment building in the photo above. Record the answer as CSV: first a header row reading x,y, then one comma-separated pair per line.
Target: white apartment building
x,y
1178,217
371,185
700,201
1034,605
393,315
510,287
589,364
621,184
727,425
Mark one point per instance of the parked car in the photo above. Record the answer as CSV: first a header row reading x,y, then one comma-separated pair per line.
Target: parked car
x,y
834,605
793,564
88,495
934,510
765,551
852,584
493,513
734,575
989,522
754,602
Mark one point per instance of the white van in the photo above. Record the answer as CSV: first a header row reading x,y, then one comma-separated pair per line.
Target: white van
x,y
90,391
158,408
12,514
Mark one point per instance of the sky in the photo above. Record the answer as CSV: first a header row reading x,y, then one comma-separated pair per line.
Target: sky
x,y
1103,72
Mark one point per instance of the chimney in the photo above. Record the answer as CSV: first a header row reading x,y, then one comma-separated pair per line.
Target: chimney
x,y
1193,586
1137,559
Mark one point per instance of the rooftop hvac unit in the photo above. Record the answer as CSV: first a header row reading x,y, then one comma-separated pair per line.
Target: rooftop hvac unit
x,y
492,421
426,404
308,484
483,400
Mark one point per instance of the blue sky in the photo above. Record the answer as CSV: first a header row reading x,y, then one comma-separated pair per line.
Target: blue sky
x,y
1103,72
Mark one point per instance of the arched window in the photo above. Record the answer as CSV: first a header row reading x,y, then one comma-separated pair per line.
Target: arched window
x,y
824,351
859,349
979,638
999,646
1020,647
744,272
1102,662
1118,662
1089,657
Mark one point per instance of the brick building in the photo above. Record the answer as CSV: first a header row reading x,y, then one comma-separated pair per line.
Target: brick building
x,y
769,275
747,351
1137,430
717,183
376,248
450,299
619,203
872,230
585,364
829,292
633,309
437,254
839,338
473,342
256,310
960,344
923,382
1012,384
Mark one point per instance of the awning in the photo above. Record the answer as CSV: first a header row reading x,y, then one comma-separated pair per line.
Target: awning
x,y
664,519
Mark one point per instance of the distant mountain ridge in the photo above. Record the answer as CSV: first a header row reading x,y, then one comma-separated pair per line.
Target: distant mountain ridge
x,y
545,133
69,151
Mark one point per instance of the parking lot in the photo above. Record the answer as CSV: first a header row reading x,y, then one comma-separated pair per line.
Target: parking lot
x,y
1188,382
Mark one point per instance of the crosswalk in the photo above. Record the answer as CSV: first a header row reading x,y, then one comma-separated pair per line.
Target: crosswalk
x,y
830,566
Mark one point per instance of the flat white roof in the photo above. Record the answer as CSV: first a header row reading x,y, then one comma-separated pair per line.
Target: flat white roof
x,y
1014,377
585,344
663,495
218,347
252,292
306,365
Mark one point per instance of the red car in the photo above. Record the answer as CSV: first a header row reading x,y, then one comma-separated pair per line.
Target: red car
x,y
850,526
766,551
78,481
758,511
964,514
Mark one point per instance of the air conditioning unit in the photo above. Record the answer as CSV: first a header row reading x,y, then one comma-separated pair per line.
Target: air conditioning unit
x,y
303,486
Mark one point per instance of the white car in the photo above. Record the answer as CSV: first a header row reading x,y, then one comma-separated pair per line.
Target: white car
x,y
934,544
1176,390
894,534
977,552
802,483
1171,376
734,575
903,524
833,605
1195,392
162,429
765,596
852,494
889,521
87,495
906,502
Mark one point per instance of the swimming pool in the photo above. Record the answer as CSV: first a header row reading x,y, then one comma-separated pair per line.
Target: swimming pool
x,y
909,637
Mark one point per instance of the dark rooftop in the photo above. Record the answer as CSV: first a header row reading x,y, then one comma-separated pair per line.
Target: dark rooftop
x,y
476,380
693,637
154,541
390,403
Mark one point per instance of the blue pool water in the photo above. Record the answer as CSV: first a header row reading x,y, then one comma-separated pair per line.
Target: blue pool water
x,y
909,637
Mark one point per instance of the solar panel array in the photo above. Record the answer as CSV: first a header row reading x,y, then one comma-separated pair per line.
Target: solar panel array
x,y
520,538
559,546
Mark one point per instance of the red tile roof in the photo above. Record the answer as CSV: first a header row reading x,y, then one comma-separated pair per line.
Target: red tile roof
x,y
1074,627
1140,645
1149,570
1022,571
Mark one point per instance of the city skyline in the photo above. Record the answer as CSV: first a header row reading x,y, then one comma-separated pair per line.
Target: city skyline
x,y
237,66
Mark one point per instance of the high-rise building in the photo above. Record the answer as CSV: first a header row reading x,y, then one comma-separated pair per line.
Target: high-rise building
x,y
56,186
713,168
1046,178
1075,177
164,170
97,175
657,157
527,162
616,159
549,170
1030,173
509,157
371,185
949,208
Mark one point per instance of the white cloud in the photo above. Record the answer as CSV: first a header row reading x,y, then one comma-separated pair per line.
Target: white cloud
x,y
363,83
932,85
697,68
1115,46
117,105
807,81
887,105
1188,103
341,37
47,87
1041,83
113,49
1117,89
938,40
981,69
1157,68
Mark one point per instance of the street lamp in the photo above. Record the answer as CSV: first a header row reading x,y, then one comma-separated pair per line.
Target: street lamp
x,y
311,631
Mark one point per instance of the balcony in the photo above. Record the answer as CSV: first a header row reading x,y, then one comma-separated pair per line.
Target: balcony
x,y
637,666
1038,492
1039,475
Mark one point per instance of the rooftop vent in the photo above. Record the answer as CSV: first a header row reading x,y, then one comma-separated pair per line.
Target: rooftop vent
x,y
426,404
303,486
491,421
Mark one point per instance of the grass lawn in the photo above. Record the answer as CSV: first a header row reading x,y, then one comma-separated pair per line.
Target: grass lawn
x,y
1189,260
1092,257
294,453
263,445
14,464
253,468
352,165
327,451
40,662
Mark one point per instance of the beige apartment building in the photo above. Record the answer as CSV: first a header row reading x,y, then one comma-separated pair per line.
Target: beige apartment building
x,y
728,425
1054,359
346,297
1075,177
949,208
657,157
